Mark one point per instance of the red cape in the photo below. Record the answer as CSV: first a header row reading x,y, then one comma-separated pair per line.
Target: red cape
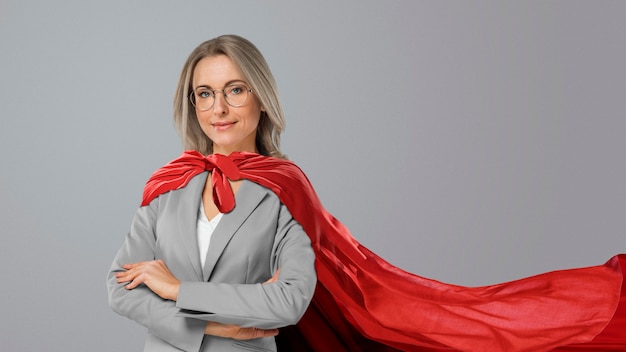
x,y
363,303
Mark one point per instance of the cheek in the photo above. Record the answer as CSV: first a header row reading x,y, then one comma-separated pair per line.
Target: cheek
x,y
256,120
203,118
203,121
255,112
251,118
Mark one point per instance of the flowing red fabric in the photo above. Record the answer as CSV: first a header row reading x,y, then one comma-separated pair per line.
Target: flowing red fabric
x,y
363,303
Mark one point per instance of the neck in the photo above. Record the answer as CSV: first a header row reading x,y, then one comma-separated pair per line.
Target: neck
x,y
228,151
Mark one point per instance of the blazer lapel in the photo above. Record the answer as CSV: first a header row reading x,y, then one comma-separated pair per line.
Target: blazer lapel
x,y
188,207
247,198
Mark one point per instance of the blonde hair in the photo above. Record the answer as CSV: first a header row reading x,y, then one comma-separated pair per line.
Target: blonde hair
x,y
257,74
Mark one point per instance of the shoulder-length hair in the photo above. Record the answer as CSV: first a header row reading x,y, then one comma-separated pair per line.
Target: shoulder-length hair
x,y
257,74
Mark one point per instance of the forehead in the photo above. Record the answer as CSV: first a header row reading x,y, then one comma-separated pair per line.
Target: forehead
x,y
215,72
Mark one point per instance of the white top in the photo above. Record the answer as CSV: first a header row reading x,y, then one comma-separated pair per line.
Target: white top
x,y
205,228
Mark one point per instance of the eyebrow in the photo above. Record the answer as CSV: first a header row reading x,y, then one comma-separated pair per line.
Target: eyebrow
x,y
225,85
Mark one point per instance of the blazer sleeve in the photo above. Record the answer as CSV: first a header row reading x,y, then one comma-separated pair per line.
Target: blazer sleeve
x,y
264,306
141,304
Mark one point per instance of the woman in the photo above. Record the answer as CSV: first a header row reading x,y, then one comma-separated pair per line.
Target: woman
x,y
259,273
247,267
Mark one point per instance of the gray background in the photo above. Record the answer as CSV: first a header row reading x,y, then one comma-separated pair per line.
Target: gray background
x,y
469,142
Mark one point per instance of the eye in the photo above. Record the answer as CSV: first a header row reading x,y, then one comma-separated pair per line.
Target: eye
x,y
204,94
234,90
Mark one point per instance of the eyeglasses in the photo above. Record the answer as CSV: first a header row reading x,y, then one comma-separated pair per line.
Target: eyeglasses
x,y
235,95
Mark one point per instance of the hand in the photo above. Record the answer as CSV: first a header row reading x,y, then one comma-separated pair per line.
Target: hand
x,y
153,274
237,332
273,278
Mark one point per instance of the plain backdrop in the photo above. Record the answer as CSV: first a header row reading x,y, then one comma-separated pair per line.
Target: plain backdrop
x,y
470,142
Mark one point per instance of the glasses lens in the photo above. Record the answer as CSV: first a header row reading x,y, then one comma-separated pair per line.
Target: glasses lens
x,y
202,99
236,95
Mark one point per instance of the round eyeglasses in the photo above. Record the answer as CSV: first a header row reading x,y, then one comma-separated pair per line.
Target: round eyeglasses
x,y
235,95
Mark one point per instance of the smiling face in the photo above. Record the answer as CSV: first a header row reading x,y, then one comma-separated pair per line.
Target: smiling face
x,y
230,128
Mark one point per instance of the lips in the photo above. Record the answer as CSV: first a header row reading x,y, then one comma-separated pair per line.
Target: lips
x,y
221,126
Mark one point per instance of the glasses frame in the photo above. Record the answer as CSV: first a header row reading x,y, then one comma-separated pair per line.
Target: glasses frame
x,y
192,98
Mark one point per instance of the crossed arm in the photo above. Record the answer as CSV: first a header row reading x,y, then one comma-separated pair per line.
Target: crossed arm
x,y
155,294
158,278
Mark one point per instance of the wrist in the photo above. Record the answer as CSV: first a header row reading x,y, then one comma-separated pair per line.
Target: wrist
x,y
174,292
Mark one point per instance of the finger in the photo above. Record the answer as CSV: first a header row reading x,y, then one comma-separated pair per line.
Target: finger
x,y
258,333
131,271
120,278
222,330
134,283
124,276
133,278
273,278
132,265
270,332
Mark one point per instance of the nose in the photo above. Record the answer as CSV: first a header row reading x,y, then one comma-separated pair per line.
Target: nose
x,y
220,107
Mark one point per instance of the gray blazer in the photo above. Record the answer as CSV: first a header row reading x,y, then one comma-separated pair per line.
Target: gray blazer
x,y
249,244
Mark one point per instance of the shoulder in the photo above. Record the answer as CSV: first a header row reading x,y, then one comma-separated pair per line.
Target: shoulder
x,y
289,168
193,187
174,175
